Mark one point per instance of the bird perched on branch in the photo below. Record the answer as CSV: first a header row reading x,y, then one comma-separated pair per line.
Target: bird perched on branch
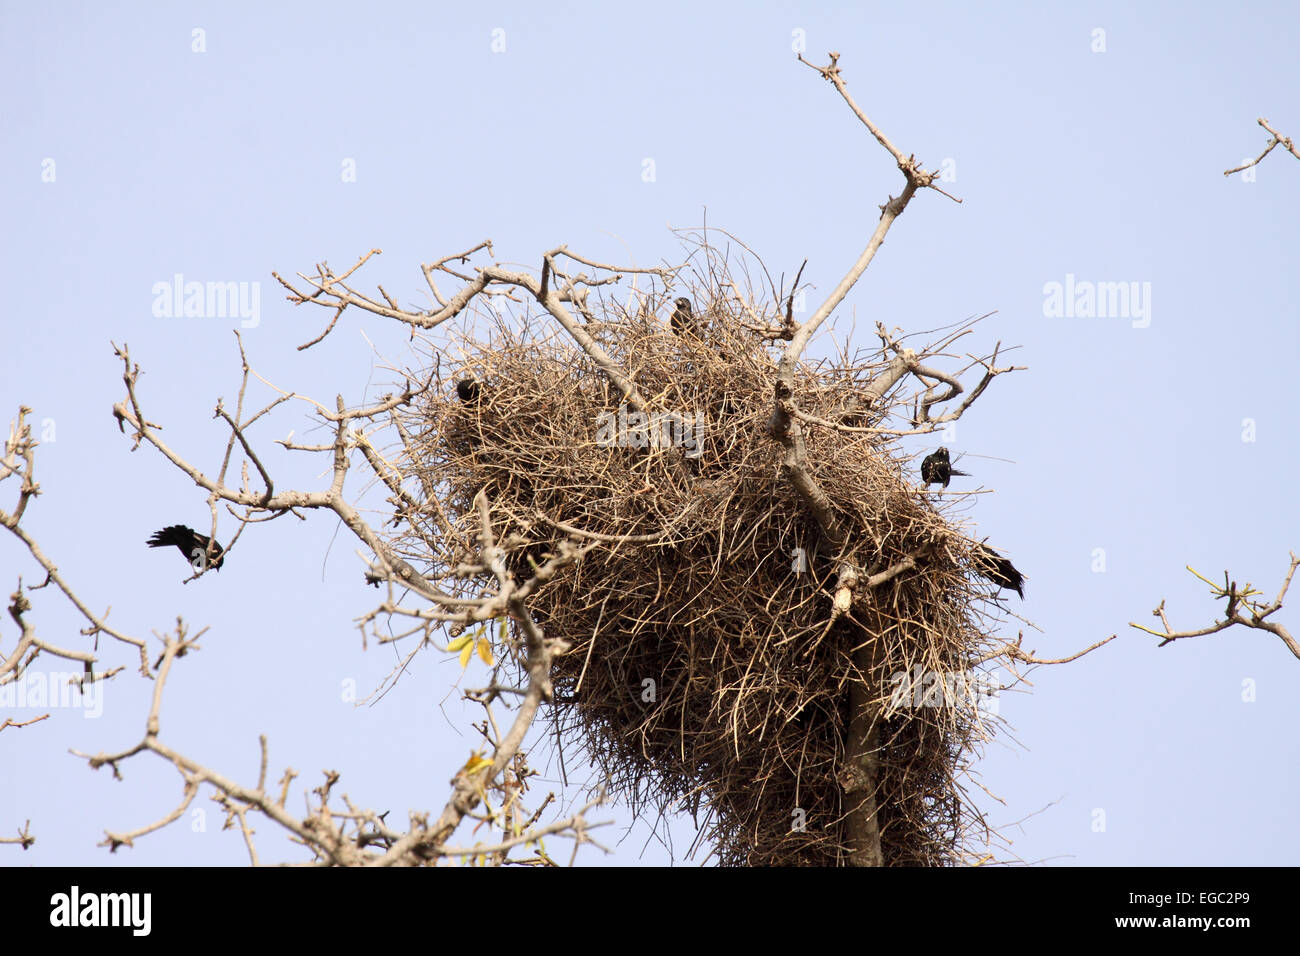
x,y
682,320
935,468
192,544
999,570
468,390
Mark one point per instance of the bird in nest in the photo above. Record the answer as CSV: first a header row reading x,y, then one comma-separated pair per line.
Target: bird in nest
x,y
468,390
936,469
683,319
989,564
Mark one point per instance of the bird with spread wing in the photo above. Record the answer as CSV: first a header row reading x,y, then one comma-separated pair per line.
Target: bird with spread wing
x,y
193,545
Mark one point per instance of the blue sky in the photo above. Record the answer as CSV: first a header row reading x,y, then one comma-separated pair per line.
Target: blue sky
x,y
1124,435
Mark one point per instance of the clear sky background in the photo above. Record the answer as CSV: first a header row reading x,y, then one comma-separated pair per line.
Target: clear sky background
x,y
1146,448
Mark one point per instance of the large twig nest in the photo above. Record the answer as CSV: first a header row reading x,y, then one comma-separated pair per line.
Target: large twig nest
x,y
705,669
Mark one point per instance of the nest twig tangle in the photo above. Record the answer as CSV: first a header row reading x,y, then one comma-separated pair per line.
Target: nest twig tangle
x,y
709,662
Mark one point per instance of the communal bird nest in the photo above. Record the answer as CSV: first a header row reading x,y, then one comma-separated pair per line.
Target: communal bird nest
x,y
719,660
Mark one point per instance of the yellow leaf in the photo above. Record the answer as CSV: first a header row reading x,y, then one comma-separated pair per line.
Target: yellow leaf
x,y
485,651
465,652
459,642
501,631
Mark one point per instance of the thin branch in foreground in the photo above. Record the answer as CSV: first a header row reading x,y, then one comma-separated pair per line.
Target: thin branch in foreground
x,y
1277,140
1237,598
335,837
24,838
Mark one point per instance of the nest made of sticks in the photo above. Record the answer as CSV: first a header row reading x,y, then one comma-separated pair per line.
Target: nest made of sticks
x,y
705,672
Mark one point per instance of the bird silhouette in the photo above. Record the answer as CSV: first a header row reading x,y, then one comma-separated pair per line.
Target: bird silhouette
x,y
192,544
935,468
468,390
683,320
989,564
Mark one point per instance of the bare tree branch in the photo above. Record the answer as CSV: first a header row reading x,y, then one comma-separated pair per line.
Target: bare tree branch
x,y
1256,616
1277,140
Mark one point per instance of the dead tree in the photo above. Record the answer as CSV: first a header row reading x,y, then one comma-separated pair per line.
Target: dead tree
x,y
694,549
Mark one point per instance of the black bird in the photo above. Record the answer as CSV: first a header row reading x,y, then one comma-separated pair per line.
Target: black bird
x,y
999,570
682,320
192,544
936,470
468,390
